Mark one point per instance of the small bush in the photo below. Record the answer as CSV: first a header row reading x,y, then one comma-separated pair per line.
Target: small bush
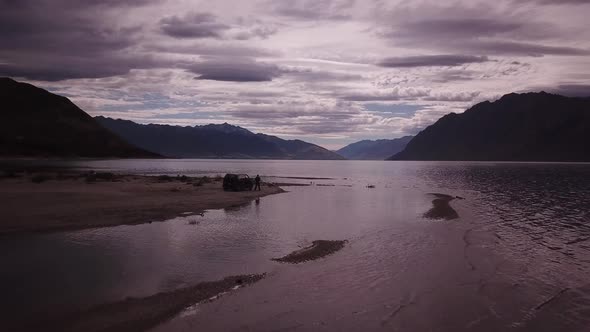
x,y
8,174
202,180
105,176
40,178
91,177
164,178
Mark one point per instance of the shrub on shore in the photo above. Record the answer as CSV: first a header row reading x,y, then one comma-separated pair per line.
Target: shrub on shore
x,y
100,176
9,174
164,178
202,180
39,178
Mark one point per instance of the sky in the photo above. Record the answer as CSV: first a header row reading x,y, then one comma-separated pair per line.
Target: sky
x,y
330,72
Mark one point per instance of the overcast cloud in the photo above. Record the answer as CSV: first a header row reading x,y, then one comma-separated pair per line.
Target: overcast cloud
x,y
326,71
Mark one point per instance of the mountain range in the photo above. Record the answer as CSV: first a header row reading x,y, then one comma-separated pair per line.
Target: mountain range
x,y
35,122
213,141
374,149
517,127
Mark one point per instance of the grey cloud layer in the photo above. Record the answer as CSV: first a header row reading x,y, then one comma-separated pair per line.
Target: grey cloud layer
x,y
55,40
479,30
295,67
313,9
235,70
430,61
193,25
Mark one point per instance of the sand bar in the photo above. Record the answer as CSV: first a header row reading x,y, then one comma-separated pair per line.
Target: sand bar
x,y
318,249
69,200
441,209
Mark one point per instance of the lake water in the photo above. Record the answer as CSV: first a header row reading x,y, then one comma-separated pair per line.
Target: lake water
x,y
518,258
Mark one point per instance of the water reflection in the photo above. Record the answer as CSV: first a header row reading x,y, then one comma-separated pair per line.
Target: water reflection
x,y
536,216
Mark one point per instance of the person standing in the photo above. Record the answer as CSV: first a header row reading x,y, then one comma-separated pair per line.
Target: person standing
x,y
257,182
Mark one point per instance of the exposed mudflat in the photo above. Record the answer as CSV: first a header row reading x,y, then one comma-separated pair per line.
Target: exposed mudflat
x,y
140,314
441,209
318,249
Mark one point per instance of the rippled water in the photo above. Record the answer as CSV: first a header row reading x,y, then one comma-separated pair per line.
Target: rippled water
x,y
518,257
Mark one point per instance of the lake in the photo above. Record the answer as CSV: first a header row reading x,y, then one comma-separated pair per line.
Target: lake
x,y
517,258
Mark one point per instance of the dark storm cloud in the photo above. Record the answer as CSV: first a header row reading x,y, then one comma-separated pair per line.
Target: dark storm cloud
x,y
50,68
235,70
61,39
71,4
455,28
561,2
430,60
526,49
193,25
458,27
313,9
310,75
211,50
475,30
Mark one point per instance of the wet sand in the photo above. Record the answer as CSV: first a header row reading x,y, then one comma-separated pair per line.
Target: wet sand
x,y
318,249
140,314
441,209
70,200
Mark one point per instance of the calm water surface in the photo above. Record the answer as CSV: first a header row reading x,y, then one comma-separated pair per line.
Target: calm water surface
x,y
517,259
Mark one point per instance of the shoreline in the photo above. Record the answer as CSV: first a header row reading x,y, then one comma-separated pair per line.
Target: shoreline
x,y
48,201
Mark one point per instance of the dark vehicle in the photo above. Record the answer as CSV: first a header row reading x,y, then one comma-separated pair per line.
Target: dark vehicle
x,y
237,182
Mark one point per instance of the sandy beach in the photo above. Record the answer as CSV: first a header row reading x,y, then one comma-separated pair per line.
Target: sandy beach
x,y
52,201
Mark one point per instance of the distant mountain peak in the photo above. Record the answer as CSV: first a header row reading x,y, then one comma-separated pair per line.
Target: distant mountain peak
x,y
213,141
225,127
379,149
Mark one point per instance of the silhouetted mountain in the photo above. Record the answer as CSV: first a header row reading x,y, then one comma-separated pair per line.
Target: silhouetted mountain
x,y
517,127
35,122
213,141
374,150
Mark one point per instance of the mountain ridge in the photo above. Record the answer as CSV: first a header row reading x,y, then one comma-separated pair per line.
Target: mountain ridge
x,y
36,122
534,126
215,141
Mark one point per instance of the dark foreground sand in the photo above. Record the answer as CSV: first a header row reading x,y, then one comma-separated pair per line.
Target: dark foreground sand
x,y
64,201
140,314
441,209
